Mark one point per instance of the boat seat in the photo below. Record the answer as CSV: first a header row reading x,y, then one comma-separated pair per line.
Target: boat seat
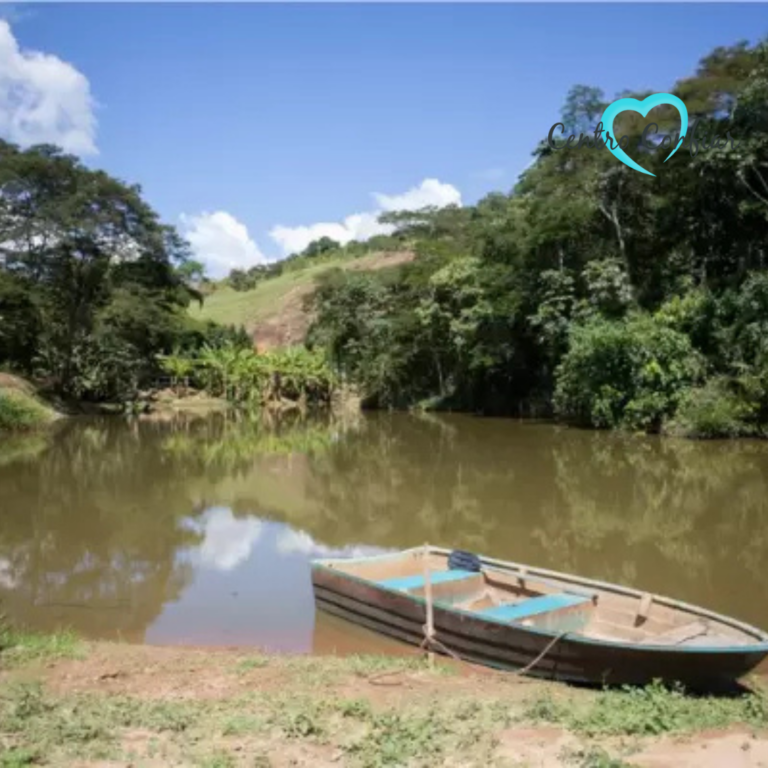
x,y
417,582
534,606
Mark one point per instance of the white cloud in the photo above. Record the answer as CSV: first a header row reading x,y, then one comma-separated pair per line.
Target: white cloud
x,y
430,192
291,541
7,579
228,540
362,226
359,226
44,99
221,242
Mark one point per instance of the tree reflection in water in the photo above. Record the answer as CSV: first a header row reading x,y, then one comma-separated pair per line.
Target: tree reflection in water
x,y
105,522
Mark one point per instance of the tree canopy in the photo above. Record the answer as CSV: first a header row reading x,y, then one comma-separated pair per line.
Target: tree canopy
x,y
92,284
603,295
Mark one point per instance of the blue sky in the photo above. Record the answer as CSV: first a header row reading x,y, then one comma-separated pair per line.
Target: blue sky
x,y
240,119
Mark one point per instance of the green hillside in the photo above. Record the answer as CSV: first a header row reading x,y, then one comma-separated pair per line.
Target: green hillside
x,y
273,312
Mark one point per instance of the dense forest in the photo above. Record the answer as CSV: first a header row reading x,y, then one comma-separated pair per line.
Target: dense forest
x,y
94,298
93,287
604,296
590,292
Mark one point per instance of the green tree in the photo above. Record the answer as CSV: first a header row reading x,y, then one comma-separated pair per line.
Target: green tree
x,y
320,246
93,280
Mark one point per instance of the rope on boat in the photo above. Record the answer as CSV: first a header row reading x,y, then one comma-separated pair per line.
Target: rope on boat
x,y
438,645
528,667
430,640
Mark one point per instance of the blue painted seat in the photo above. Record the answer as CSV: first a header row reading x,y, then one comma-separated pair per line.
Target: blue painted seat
x,y
415,582
533,607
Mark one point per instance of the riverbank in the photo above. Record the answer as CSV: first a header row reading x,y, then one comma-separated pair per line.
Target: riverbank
x,y
21,407
24,407
63,701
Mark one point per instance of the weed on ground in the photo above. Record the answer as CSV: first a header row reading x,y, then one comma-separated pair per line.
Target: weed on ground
x,y
136,706
650,711
18,648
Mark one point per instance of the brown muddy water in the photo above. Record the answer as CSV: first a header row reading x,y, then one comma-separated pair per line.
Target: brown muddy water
x,y
200,530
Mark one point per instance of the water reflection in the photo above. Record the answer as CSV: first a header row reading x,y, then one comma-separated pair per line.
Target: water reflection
x,y
251,586
201,529
226,541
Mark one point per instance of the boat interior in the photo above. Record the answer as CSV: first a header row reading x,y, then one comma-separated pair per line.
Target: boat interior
x,y
512,594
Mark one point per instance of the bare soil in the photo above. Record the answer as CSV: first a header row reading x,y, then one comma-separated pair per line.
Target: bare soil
x,y
289,323
162,706
9,381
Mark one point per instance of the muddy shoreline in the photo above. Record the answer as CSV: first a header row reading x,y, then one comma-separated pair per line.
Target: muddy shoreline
x,y
108,704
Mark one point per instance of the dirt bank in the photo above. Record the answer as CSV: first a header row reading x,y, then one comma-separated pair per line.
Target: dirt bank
x,y
118,705
21,406
288,321
274,312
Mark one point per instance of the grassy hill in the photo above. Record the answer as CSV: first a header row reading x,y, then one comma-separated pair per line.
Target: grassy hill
x,y
273,312
20,406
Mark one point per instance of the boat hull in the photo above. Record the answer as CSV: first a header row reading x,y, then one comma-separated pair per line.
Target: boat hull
x,y
513,647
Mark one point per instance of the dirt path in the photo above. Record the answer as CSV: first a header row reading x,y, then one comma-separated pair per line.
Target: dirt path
x,y
121,705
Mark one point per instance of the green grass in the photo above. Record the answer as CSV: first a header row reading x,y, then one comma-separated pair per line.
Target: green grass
x,y
650,711
247,308
217,760
252,662
36,726
319,671
269,297
17,758
308,715
90,727
85,727
20,411
19,648
594,757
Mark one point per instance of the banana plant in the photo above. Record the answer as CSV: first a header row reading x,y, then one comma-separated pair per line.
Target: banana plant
x,y
177,366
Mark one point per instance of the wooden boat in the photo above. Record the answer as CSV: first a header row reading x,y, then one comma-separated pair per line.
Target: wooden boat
x,y
515,617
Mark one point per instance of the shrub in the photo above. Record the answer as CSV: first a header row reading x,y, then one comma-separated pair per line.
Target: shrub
x,y
710,411
19,411
627,373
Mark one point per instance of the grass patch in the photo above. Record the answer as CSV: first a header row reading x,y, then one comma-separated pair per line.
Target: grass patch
x,y
594,757
83,726
273,296
16,758
650,711
247,308
429,728
17,647
365,665
217,760
300,717
20,411
325,670
96,727
252,662
243,724
426,735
